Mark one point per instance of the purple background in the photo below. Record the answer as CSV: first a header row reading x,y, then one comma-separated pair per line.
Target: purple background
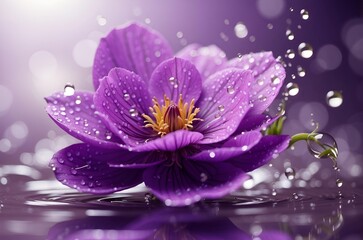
x,y
47,43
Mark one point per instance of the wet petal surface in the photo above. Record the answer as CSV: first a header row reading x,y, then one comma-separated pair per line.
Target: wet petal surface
x,y
136,48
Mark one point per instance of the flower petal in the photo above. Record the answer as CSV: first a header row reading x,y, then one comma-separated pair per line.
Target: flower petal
x,y
261,153
255,122
171,141
132,159
85,168
122,97
76,115
269,76
231,148
183,184
173,77
135,47
207,60
223,104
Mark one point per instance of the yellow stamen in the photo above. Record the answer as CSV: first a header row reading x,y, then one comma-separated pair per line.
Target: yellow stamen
x,y
170,116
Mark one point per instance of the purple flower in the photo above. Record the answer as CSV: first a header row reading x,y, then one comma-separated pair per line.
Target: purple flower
x,y
189,126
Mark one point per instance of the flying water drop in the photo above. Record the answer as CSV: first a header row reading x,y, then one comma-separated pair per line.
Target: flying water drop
x,y
305,50
290,54
290,173
289,34
240,30
292,89
304,14
334,99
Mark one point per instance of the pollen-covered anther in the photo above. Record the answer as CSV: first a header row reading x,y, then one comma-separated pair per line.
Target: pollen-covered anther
x,y
171,117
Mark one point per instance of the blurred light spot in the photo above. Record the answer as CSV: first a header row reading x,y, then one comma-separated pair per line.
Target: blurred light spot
x,y
43,64
101,20
355,170
3,181
352,35
240,30
19,130
83,52
97,213
329,57
19,170
320,115
5,145
355,64
6,99
270,8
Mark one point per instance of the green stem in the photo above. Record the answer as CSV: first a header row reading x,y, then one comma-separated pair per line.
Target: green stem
x,y
301,137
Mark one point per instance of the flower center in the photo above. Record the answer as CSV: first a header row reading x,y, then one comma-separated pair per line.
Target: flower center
x,y
171,116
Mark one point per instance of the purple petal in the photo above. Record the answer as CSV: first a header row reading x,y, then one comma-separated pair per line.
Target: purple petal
x,y
255,122
135,47
174,77
189,181
122,98
132,159
76,115
262,153
223,104
207,60
85,168
231,148
171,141
269,76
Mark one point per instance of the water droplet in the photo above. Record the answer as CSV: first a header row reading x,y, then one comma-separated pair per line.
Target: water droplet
x,y
74,171
240,30
69,89
212,154
304,14
133,112
339,183
290,173
239,55
230,89
244,148
305,50
262,98
78,100
290,54
322,145
127,96
260,82
334,99
108,135
173,81
275,80
289,34
203,177
292,89
101,20
221,108
273,192
295,196
300,71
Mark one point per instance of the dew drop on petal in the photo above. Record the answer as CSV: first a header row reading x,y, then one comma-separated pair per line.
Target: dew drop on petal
x,y
108,135
240,30
290,54
221,108
212,154
74,171
127,96
304,14
244,148
334,99
289,34
292,89
78,100
230,89
305,50
203,177
290,173
133,112
69,89
275,80
300,71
